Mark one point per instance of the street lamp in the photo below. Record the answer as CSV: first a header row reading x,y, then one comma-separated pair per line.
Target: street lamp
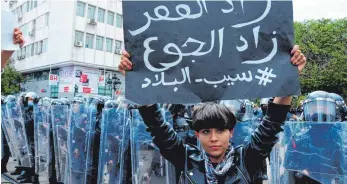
x,y
108,85
116,84
76,89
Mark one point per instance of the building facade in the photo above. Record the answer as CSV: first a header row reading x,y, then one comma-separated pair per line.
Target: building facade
x,y
80,41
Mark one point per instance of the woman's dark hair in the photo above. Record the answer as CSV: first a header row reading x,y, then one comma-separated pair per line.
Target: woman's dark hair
x,y
212,115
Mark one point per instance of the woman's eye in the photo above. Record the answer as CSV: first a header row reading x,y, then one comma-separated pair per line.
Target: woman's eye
x,y
205,131
220,130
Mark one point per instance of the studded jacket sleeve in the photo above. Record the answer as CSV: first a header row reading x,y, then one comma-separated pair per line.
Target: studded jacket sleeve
x,y
265,137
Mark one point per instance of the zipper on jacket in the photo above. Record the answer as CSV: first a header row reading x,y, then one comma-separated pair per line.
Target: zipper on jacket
x,y
242,174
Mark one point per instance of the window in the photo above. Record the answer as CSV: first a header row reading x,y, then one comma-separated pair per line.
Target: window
x,y
79,36
23,51
19,53
28,51
54,91
80,9
32,49
91,12
89,41
99,42
109,44
35,3
110,18
36,48
39,47
46,19
44,45
119,20
27,6
101,15
118,45
31,5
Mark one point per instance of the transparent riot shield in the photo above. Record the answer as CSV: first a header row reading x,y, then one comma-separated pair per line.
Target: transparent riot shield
x,y
91,111
148,166
22,148
60,116
314,150
169,168
114,141
42,141
6,125
242,133
79,141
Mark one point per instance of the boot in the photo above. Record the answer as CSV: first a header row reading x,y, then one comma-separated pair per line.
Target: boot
x,y
29,177
36,179
22,175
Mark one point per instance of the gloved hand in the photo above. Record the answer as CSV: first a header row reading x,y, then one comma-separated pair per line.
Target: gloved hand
x,y
151,115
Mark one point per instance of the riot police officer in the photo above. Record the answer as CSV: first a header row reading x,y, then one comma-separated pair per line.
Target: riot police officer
x,y
340,107
30,100
320,140
319,106
6,149
77,142
97,103
59,113
42,124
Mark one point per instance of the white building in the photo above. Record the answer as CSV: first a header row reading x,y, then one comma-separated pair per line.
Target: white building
x,y
79,40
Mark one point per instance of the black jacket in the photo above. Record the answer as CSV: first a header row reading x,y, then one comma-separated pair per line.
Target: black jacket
x,y
189,160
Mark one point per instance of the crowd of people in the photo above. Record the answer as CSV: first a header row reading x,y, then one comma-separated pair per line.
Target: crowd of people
x,y
192,137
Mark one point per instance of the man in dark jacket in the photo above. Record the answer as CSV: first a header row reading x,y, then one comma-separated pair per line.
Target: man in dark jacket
x,y
218,162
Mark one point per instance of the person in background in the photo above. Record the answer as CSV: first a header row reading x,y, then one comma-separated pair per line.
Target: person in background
x,y
6,54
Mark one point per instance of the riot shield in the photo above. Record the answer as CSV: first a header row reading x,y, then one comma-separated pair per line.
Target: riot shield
x,y
6,125
60,116
22,148
114,141
315,150
148,165
79,141
42,141
242,133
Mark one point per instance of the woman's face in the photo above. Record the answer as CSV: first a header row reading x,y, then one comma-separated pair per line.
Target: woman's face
x,y
215,141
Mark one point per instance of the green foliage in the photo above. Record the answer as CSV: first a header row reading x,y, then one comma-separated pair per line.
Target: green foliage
x,y
10,80
324,43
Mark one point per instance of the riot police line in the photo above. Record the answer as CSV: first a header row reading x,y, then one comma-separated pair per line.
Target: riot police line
x,y
94,139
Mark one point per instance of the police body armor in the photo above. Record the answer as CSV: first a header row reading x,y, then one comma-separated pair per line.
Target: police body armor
x,y
148,165
42,124
60,117
114,141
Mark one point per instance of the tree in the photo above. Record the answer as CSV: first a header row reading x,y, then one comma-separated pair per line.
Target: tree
x,y
324,43
10,80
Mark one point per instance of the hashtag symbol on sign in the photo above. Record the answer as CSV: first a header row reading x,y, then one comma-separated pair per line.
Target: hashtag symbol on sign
x,y
265,76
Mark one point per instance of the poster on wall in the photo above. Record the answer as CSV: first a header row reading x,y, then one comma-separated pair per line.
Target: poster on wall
x,y
87,79
66,79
